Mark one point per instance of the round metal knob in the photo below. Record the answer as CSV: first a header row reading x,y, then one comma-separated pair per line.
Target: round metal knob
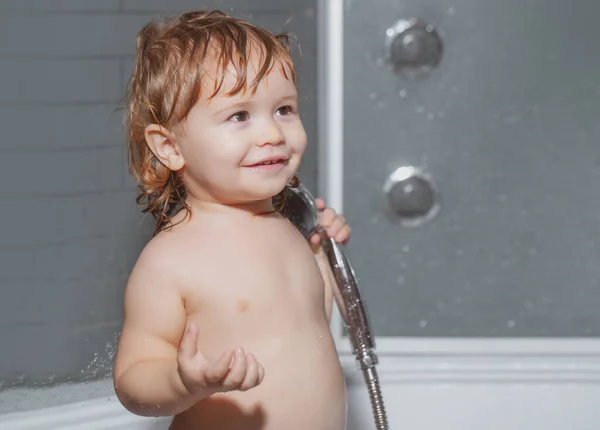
x,y
413,47
411,196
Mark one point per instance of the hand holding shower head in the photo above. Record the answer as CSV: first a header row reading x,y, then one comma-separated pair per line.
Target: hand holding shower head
x,y
301,210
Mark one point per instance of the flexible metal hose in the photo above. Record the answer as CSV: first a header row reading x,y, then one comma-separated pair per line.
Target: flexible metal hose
x,y
379,414
358,327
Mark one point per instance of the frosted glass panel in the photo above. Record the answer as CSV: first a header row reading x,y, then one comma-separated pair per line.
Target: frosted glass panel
x,y
507,128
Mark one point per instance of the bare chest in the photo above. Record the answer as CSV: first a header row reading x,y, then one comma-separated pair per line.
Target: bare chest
x,y
266,280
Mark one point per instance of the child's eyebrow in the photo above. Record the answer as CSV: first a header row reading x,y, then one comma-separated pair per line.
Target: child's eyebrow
x,y
246,104
238,104
290,97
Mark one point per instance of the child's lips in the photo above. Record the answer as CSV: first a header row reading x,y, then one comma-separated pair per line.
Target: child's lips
x,y
271,166
271,161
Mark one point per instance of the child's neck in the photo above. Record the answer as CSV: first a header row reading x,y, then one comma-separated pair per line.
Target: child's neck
x,y
243,209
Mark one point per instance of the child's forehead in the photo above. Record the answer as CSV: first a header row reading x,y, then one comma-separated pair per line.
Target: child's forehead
x,y
214,68
231,79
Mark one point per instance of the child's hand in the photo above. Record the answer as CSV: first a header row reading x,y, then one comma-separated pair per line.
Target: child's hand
x,y
333,223
233,371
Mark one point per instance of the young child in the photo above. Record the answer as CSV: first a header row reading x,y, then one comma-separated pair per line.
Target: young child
x,y
227,308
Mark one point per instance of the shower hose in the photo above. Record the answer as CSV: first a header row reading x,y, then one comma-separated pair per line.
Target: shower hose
x,y
357,325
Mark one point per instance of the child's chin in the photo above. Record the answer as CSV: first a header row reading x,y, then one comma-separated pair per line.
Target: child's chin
x,y
270,190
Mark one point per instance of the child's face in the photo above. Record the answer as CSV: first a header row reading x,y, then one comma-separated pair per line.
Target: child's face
x,y
226,142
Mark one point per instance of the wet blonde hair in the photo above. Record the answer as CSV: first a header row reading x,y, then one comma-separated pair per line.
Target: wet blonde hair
x,y
167,81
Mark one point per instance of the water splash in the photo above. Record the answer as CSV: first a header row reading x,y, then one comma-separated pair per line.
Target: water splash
x,y
103,362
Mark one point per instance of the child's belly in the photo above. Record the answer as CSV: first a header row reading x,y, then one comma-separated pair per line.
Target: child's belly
x,y
303,389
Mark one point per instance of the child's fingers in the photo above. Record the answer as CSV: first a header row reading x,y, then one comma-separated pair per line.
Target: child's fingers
x,y
237,373
261,373
252,375
327,217
315,239
219,370
336,226
320,203
343,236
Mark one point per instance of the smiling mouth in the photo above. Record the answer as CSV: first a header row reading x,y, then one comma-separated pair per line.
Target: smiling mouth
x,y
270,162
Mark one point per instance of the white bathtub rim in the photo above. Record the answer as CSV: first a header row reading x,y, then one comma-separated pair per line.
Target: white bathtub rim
x,y
90,414
577,364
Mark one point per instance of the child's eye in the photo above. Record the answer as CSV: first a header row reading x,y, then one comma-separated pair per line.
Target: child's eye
x,y
286,110
239,116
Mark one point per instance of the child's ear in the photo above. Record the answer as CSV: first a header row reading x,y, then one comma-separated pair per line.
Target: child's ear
x,y
160,142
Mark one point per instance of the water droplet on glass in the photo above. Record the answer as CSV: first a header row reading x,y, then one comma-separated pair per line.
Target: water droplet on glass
x,y
532,252
441,114
380,62
400,280
389,32
451,10
430,116
420,109
511,324
373,96
423,323
381,104
406,248
402,93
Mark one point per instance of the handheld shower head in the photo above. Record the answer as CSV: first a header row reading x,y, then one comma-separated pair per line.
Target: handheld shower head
x,y
301,210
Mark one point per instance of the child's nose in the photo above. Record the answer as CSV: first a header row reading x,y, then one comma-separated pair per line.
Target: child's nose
x,y
271,134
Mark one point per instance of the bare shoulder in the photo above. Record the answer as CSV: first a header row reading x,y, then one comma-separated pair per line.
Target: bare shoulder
x,y
157,267
163,267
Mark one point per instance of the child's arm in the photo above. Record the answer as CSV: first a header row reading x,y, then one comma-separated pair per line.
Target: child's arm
x,y
331,289
145,375
158,369
338,229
